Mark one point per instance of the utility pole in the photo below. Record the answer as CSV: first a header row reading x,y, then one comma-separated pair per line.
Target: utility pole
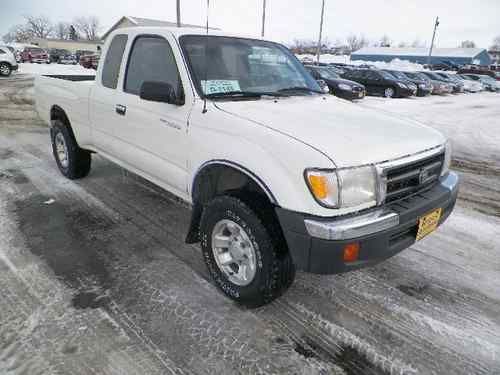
x,y
178,13
318,53
436,24
263,17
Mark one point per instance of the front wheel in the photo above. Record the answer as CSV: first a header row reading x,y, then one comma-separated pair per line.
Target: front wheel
x,y
5,69
389,92
245,255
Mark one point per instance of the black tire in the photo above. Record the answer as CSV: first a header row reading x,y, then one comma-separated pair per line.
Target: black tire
x,y
275,270
5,69
78,159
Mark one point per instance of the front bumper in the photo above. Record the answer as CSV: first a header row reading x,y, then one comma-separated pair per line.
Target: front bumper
x,y
424,91
349,95
405,92
316,244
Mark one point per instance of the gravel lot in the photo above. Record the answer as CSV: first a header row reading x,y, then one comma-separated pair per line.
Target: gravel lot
x,y
96,278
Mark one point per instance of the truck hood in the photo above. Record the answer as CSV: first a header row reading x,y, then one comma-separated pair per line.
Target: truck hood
x,y
349,134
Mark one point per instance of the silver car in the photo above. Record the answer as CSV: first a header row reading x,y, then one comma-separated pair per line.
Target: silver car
x,y
8,62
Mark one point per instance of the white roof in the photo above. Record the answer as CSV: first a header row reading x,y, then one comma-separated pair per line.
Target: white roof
x,y
436,52
180,31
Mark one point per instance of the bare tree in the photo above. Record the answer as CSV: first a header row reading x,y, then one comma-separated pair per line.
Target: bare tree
x,y
62,30
418,44
18,33
88,27
496,44
356,42
385,41
39,27
73,34
468,44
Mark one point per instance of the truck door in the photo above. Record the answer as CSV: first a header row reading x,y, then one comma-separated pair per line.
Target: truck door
x,y
152,136
103,97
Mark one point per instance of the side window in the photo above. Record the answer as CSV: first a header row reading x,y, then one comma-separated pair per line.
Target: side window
x,y
114,56
151,59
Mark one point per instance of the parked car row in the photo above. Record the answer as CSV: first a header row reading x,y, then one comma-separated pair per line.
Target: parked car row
x,y
354,82
34,54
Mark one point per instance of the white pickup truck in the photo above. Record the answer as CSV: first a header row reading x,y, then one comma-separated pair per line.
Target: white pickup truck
x,y
280,176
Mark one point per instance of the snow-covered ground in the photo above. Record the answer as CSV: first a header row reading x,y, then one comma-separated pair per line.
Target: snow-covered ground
x,y
395,64
95,276
39,69
471,121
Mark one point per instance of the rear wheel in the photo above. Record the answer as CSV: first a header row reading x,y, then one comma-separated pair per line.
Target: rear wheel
x,y
243,252
5,69
389,92
73,161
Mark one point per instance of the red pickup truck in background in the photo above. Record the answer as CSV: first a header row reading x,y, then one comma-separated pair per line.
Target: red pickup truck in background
x,y
34,55
90,61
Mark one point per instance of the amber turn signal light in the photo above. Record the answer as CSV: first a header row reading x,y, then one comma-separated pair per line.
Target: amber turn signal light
x,y
318,186
351,252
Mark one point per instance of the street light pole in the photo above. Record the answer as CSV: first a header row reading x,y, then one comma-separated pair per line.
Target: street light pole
x,y
178,13
263,17
318,53
436,24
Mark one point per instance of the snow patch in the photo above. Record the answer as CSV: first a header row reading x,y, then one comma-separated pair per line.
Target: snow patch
x,y
41,69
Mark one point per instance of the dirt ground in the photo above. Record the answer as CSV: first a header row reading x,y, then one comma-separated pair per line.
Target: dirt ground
x,y
95,278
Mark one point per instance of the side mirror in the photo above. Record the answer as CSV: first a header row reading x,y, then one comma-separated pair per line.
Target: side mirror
x,y
159,92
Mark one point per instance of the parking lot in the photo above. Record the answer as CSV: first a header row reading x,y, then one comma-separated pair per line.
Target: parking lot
x,y
96,277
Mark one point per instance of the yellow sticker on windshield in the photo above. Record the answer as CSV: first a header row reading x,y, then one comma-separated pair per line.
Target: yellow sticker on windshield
x,y
216,86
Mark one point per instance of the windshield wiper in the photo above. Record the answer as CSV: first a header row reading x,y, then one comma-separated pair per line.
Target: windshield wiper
x,y
242,94
299,88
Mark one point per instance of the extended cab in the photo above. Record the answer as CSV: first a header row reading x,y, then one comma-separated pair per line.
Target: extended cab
x,y
280,176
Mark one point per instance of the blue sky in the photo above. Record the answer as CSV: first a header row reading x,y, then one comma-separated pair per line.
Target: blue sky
x,y
401,20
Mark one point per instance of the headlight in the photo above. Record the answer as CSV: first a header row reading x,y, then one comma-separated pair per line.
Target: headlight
x,y
447,158
402,85
348,187
345,87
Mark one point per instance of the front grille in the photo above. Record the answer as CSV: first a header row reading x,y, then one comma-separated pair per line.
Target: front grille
x,y
408,179
357,89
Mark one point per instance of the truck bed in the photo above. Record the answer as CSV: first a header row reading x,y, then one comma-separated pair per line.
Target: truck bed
x,y
74,77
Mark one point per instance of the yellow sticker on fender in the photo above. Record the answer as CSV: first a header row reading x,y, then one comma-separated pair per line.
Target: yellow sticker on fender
x,y
428,223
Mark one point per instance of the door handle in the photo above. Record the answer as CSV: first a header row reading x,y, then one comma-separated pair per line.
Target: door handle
x,y
121,109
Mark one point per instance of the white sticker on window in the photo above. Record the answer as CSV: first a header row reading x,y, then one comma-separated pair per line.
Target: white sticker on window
x,y
220,85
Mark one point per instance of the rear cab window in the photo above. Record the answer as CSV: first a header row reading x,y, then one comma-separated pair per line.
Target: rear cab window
x,y
112,63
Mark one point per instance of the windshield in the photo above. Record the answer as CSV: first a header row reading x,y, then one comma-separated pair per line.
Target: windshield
x,y
433,76
387,75
238,65
487,79
36,50
327,73
418,76
399,75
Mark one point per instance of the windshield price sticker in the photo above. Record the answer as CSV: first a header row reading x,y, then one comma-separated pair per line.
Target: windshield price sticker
x,y
220,86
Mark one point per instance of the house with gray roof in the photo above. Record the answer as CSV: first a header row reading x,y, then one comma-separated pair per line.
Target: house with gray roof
x,y
128,21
